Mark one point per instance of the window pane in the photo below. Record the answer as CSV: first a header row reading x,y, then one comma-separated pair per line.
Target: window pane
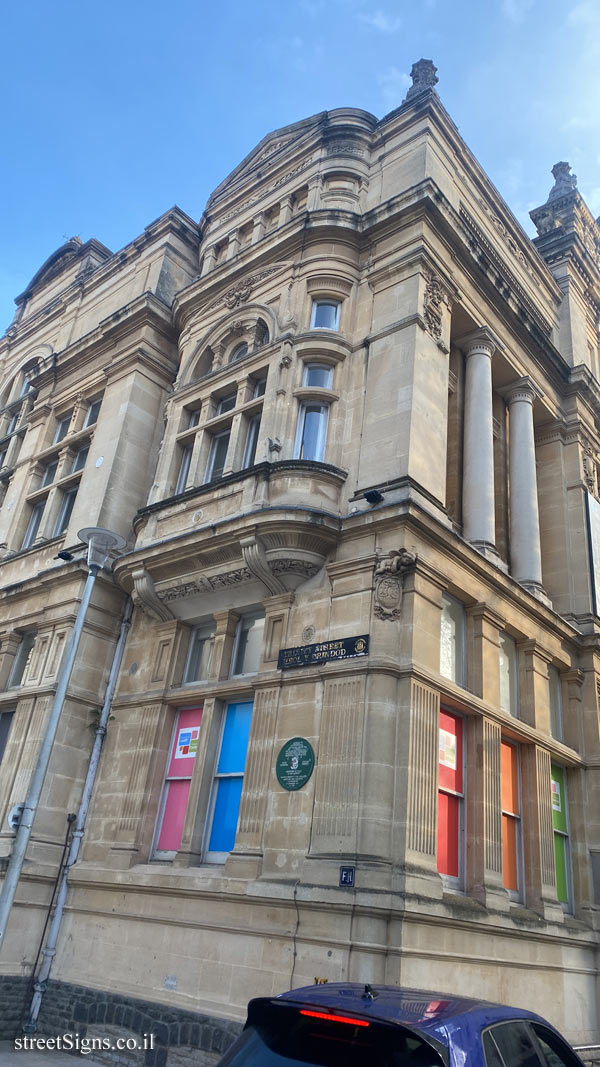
x,y
200,656
260,387
225,817
63,428
232,758
194,418
515,1044
80,458
218,456
184,469
21,660
556,1052
325,315
452,639
555,699
508,674
50,473
251,441
5,721
313,433
93,411
239,352
318,377
492,1056
226,403
64,515
249,646
34,524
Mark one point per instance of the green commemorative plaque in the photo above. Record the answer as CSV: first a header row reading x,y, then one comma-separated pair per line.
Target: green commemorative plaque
x,y
295,763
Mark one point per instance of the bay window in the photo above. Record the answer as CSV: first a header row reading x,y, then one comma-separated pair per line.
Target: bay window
x,y
217,455
312,432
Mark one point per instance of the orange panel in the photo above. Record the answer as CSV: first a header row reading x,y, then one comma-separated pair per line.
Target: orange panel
x,y
510,778
447,849
509,853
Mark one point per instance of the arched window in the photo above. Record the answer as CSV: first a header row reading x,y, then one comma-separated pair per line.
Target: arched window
x,y
239,352
204,364
261,334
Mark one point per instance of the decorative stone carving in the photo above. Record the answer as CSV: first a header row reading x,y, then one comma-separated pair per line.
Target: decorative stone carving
x,y
222,581
240,292
144,596
256,560
436,296
424,78
308,634
344,148
182,591
389,574
294,566
564,182
509,241
590,469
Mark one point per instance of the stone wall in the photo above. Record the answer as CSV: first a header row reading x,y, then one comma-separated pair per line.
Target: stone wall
x,y
178,1037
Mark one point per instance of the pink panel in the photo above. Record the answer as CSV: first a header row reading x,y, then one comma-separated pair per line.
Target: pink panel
x,y
174,815
185,744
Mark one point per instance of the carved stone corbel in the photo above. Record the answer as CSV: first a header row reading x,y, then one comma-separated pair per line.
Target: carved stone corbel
x,y
144,597
255,559
389,574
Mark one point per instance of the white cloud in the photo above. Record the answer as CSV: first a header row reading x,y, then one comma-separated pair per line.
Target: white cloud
x,y
380,21
393,84
516,10
584,14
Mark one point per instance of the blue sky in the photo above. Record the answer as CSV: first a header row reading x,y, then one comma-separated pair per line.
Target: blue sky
x,y
114,111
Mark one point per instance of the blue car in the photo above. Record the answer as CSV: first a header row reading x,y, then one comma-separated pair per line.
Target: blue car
x,y
350,1025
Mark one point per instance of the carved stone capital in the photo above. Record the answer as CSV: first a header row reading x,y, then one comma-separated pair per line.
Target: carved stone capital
x,y
480,341
144,596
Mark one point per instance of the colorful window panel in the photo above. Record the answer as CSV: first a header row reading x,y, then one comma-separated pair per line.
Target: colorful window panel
x,y
450,796
229,779
561,836
511,818
178,779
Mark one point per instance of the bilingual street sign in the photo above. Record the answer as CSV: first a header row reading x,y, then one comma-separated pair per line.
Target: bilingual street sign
x,y
295,764
324,652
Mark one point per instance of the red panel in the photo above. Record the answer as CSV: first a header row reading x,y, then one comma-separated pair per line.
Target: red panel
x,y
185,744
174,815
450,754
448,816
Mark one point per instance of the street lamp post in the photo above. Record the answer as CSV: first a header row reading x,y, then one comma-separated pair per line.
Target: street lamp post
x,y
100,544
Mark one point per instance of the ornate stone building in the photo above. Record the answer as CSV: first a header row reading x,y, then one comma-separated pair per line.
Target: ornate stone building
x,y
349,427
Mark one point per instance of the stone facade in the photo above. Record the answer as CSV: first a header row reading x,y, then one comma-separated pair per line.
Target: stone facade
x,y
354,402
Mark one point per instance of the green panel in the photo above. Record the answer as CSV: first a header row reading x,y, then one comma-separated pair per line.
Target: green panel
x,y
560,859
559,798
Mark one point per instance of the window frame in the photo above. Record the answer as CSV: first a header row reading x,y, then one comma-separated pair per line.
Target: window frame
x,y
6,721
185,462
65,511
516,895
250,616
456,882
84,448
89,421
303,407
32,528
329,302
20,660
212,855
209,475
556,722
64,420
314,365
168,855
565,836
46,482
209,634
234,357
462,680
251,442
512,710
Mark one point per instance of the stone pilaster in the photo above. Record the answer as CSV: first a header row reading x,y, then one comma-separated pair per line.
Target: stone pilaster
x,y
484,815
534,702
337,788
225,624
538,835
138,795
193,833
258,773
483,664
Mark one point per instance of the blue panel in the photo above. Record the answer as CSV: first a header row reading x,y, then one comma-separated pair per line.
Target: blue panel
x,y
232,758
225,818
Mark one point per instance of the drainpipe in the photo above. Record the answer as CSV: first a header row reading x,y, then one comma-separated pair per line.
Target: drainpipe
x,y
49,950
17,856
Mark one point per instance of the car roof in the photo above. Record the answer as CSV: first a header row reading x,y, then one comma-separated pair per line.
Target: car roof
x,y
427,1011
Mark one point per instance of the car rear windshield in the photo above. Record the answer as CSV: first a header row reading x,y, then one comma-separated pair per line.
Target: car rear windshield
x,y
278,1035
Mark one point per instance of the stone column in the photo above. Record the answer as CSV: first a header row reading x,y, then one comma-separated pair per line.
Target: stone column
x,y
525,552
478,464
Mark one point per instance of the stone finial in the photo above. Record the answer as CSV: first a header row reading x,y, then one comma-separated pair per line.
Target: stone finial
x,y
424,77
564,182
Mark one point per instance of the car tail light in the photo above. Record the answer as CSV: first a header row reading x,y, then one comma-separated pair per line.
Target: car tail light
x,y
334,1018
